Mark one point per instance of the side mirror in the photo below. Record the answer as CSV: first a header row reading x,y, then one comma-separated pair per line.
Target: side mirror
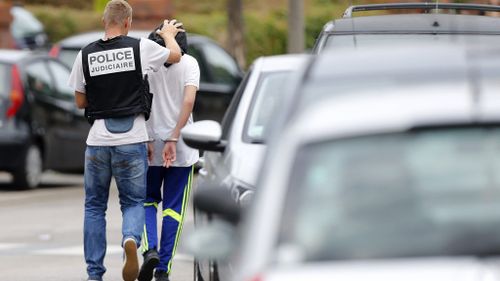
x,y
204,135
215,241
217,201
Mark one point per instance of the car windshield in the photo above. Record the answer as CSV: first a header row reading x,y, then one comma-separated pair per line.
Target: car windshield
x,y
432,192
68,56
370,40
267,95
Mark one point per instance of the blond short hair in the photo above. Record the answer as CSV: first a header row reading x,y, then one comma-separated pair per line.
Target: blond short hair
x,y
116,12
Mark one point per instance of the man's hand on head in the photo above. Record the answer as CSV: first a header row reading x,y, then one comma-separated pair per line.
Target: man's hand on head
x,y
170,28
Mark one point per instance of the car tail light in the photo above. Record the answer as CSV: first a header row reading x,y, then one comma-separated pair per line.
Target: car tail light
x,y
16,93
54,51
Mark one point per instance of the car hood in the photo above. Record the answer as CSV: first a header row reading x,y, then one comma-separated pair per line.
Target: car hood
x,y
438,269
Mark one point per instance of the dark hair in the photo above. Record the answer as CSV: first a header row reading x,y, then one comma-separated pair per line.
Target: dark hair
x,y
180,38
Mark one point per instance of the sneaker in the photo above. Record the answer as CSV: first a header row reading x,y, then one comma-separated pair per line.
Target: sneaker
x,y
131,265
161,276
151,260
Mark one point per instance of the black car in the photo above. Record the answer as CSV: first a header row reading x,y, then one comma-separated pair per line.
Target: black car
x,y
418,22
219,72
40,126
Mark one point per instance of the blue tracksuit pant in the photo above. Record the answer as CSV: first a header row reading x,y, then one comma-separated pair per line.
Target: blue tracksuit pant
x,y
176,183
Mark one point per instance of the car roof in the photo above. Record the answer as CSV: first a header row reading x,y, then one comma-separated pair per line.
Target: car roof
x,y
397,59
433,20
83,39
416,23
457,100
13,56
280,62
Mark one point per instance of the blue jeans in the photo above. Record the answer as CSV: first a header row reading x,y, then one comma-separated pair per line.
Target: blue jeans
x,y
128,165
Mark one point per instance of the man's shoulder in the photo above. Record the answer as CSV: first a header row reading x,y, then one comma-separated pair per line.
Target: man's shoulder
x,y
189,60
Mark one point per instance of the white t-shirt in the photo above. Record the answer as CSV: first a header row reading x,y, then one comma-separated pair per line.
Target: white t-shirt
x,y
153,56
167,86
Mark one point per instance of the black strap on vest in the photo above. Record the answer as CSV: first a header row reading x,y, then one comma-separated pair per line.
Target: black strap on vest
x,y
115,86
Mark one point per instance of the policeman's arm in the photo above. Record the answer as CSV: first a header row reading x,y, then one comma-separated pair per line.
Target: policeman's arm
x,y
187,108
168,33
80,100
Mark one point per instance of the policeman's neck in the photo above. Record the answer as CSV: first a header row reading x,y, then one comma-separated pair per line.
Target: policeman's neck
x,y
112,31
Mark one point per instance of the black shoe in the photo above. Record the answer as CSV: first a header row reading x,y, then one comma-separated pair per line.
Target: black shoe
x,y
161,276
151,260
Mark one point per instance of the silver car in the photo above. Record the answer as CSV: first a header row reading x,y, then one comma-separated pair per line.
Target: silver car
x,y
386,175
234,150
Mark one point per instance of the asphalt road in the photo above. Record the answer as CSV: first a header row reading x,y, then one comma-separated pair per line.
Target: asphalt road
x,y
41,233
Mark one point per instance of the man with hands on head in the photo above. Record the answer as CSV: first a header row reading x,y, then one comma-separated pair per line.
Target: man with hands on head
x,y
110,81
170,172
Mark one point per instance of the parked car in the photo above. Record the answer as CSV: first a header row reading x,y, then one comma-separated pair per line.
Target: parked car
x,y
28,32
387,175
219,72
40,126
434,26
241,141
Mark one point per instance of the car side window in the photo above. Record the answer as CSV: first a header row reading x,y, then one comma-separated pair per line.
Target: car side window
x,y
194,51
223,67
61,77
39,80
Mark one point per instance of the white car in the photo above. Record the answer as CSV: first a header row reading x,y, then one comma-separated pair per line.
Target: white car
x,y
233,151
389,175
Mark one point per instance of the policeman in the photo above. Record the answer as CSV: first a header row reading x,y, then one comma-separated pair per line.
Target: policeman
x,y
109,77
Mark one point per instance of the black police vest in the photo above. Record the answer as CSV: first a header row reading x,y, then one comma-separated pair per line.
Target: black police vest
x,y
115,86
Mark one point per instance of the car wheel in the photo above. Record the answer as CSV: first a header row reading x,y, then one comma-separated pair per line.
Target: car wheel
x,y
197,274
30,173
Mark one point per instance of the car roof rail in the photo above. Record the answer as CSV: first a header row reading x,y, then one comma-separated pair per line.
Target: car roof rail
x,y
425,6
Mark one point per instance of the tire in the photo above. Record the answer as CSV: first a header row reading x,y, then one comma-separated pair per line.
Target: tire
x,y
29,175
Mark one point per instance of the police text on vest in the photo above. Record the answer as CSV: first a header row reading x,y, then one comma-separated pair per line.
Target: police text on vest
x,y
112,61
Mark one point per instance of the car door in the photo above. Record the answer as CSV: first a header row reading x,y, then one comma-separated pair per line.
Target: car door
x,y
52,114
219,77
73,126
217,171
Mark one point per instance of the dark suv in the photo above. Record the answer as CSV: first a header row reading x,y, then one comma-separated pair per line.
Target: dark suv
x,y
219,72
417,23
40,126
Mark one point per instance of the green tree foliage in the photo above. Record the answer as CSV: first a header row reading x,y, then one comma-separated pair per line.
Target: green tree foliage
x,y
265,26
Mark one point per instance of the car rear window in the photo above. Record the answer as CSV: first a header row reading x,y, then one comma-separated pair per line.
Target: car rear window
x,y
421,193
4,80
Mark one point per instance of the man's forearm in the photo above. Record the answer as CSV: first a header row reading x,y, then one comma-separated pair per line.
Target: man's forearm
x,y
80,100
187,108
